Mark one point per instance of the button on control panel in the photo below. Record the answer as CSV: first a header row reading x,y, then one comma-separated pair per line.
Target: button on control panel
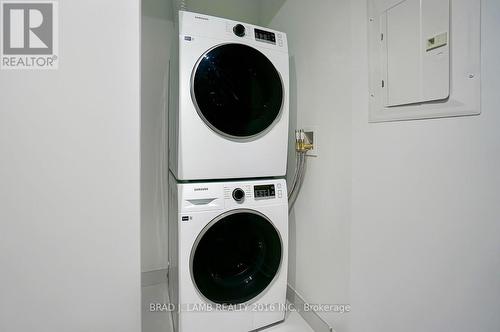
x,y
238,195
265,36
264,191
239,30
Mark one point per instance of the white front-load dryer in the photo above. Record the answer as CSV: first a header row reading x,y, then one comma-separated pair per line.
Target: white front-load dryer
x,y
228,253
229,112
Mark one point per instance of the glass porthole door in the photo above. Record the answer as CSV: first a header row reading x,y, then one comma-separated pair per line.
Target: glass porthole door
x,y
237,91
236,257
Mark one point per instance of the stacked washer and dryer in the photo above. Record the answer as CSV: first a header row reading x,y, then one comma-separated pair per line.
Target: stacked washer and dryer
x,y
228,208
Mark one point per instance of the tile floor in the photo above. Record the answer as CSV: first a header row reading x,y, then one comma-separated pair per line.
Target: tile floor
x,y
292,323
156,322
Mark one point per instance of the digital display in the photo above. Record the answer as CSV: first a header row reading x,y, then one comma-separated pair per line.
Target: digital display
x,y
265,36
264,191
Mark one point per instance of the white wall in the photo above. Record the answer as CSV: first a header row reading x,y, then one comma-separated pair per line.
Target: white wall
x,y
425,237
320,97
69,179
426,218
239,10
269,9
157,33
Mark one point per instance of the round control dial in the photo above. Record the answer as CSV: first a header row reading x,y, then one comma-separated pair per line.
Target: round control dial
x,y
239,30
238,195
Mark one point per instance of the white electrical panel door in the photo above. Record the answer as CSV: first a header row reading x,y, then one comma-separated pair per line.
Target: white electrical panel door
x,y
424,58
401,46
435,49
416,72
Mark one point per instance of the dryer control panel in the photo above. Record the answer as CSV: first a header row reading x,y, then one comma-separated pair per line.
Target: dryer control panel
x,y
195,27
265,36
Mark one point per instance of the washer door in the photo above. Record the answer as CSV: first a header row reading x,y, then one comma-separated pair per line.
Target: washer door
x,y
237,91
236,257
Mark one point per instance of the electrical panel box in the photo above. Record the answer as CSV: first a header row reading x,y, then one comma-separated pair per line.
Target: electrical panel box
x,y
424,58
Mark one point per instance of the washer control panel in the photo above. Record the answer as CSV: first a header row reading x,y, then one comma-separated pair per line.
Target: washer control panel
x,y
249,194
264,191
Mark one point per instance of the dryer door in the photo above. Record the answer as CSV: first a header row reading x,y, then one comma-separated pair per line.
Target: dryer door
x,y
236,257
237,91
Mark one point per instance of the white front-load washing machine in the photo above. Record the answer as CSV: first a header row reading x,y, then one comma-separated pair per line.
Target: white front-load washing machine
x,y
228,252
229,100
